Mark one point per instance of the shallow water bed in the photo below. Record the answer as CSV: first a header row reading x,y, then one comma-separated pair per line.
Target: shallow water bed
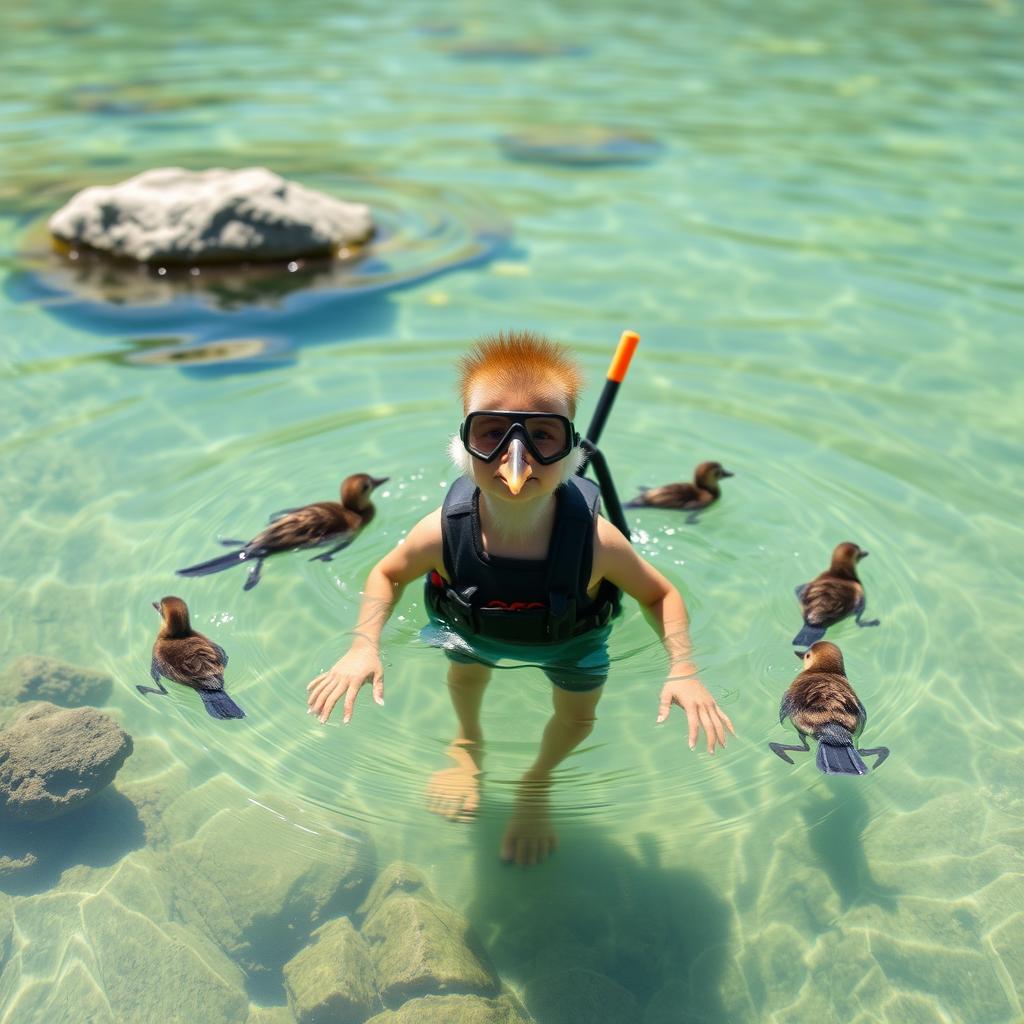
x,y
821,264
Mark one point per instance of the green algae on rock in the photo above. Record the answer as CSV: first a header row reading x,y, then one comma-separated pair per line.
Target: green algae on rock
x,y
259,892
332,978
52,760
37,677
421,946
164,972
398,876
464,1009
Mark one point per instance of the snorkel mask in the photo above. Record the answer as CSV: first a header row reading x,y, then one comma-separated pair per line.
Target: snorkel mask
x,y
547,436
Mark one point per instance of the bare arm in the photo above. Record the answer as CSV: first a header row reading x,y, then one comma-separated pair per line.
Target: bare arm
x,y
420,552
616,561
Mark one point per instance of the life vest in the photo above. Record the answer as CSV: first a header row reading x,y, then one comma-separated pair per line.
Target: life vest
x,y
526,601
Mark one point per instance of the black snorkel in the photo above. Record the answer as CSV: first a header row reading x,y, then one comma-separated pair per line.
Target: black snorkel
x,y
616,374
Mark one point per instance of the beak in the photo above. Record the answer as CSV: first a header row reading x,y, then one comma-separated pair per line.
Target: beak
x,y
800,654
725,472
376,481
863,554
156,605
514,468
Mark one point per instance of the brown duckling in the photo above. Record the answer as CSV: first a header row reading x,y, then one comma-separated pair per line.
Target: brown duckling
x,y
693,497
310,526
821,703
832,595
189,658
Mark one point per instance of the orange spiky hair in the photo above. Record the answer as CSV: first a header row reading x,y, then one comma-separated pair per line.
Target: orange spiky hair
x,y
521,359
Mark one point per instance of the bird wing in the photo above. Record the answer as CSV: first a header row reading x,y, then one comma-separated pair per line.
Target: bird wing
x,y
306,527
785,708
193,660
672,496
827,600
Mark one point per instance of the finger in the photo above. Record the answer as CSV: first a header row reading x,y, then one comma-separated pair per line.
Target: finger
x,y
327,706
716,721
709,732
694,727
471,804
663,709
350,703
508,850
330,686
316,695
725,718
378,687
315,681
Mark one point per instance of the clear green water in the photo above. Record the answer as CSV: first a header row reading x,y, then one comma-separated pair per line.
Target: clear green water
x,y
824,263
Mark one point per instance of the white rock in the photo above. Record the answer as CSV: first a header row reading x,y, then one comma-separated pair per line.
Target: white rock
x,y
173,216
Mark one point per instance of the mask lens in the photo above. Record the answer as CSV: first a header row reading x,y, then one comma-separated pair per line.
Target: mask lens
x,y
484,433
549,436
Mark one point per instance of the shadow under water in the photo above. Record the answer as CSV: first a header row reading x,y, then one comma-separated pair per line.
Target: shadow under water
x,y
835,829
597,933
99,834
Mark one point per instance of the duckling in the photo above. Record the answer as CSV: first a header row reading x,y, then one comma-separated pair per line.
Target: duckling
x,y
832,595
693,497
820,702
306,527
189,658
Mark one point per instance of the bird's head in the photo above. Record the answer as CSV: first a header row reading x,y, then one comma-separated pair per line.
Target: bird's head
x,y
356,490
174,612
707,475
847,555
822,657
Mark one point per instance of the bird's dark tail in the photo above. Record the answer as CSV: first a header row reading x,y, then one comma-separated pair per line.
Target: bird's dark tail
x,y
637,502
836,753
809,635
220,705
228,561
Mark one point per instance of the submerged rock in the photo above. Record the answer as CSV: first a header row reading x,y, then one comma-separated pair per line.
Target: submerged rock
x,y
160,972
455,1010
6,929
259,887
422,946
398,876
332,978
173,216
35,677
53,760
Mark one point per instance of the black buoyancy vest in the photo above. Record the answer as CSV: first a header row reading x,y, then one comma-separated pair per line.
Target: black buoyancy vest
x,y
527,601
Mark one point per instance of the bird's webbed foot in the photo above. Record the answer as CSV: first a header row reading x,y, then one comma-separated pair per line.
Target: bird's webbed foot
x,y
254,575
159,689
880,752
328,556
781,748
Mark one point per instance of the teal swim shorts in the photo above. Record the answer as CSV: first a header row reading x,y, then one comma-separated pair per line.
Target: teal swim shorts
x,y
578,665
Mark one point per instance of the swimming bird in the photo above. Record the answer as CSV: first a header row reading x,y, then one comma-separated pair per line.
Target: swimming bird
x,y
821,703
690,497
310,526
832,595
189,658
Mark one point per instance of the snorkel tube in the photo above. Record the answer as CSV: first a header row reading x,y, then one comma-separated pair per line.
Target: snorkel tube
x,y
616,374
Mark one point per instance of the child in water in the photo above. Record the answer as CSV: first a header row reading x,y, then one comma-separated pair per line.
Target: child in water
x,y
519,564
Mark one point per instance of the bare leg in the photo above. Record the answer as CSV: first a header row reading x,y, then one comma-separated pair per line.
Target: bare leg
x,y
530,836
455,792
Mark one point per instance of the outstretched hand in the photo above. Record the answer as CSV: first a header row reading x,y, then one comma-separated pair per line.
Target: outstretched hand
x,y
702,711
345,679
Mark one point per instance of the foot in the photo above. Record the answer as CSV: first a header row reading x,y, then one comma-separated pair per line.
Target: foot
x,y
454,793
529,836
